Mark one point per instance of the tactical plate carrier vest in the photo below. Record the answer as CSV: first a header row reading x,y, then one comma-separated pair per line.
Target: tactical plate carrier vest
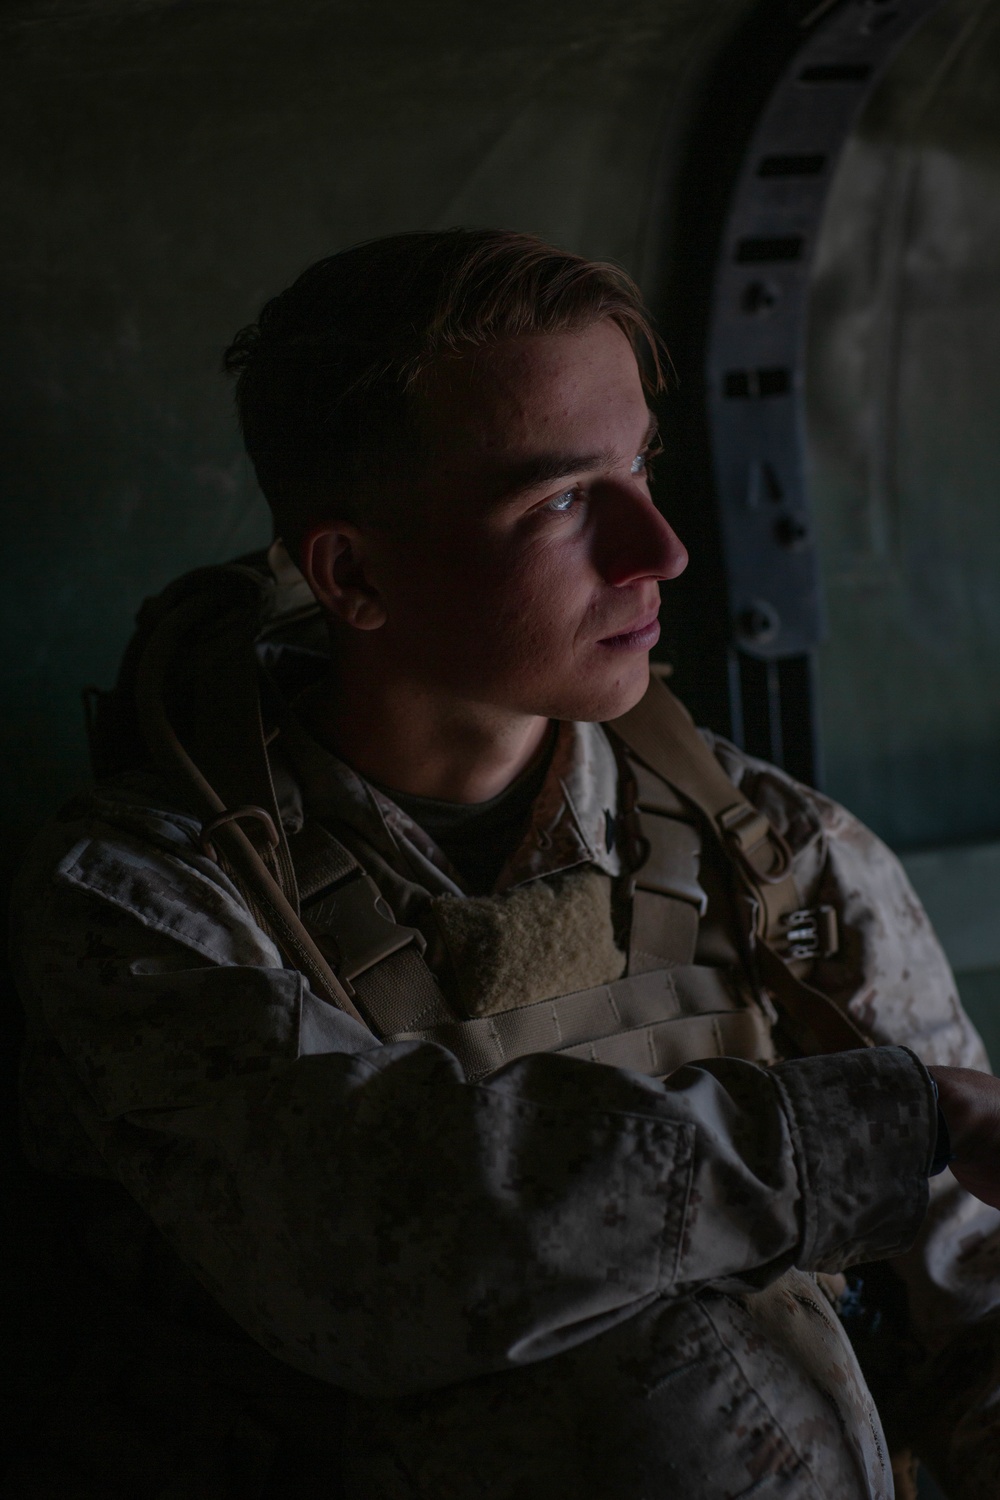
x,y
190,700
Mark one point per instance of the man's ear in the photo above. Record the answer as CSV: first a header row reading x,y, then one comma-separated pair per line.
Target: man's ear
x,y
337,565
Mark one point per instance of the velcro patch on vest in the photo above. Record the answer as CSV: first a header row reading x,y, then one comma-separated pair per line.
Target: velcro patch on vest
x,y
540,940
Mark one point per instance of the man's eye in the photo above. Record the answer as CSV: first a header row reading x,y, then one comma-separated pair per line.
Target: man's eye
x,y
642,463
562,503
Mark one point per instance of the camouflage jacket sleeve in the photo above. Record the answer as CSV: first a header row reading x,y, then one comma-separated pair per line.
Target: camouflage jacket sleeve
x,y
365,1212
941,1393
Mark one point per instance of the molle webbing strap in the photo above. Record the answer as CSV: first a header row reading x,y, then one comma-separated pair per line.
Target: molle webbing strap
x,y
668,902
671,866
663,1046
660,733
400,991
666,1013
198,659
377,959
320,861
651,1022
663,931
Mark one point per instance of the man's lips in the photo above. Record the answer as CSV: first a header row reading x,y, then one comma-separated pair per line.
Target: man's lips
x,y
637,637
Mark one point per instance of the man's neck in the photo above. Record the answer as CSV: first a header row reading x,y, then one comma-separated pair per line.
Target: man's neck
x,y
418,741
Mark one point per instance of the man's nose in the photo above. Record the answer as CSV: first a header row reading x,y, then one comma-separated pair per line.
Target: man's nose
x,y
636,541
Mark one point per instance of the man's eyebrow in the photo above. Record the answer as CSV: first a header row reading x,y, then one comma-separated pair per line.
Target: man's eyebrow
x,y
547,467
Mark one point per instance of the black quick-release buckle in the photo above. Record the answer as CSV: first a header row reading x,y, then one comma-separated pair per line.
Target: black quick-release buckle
x,y
357,921
810,932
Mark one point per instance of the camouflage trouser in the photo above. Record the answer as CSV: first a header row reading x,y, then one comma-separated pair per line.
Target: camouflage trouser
x,y
712,1398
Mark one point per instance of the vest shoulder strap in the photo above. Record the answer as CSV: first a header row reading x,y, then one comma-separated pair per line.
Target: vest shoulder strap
x,y
378,961
661,733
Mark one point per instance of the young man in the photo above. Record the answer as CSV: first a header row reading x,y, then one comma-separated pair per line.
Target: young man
x,y
439,1141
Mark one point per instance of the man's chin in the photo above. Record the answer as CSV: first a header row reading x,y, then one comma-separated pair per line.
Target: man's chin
x,y
601,697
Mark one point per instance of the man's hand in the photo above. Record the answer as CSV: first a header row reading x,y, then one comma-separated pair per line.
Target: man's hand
x,y
970,1103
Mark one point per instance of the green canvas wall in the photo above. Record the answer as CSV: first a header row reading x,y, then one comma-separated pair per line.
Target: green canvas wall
x,y
165,167
904,388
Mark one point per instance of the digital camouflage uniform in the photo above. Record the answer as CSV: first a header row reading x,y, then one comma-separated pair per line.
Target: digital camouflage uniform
x,y
564,1280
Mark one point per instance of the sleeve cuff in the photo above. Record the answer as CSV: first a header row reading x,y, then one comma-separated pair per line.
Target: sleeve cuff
x,y
863,1126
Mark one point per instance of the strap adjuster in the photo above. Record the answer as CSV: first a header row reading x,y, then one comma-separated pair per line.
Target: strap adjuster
x,y
758,844
357,921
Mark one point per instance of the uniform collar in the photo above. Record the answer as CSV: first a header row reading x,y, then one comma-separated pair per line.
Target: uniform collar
x,y
574,815
572,820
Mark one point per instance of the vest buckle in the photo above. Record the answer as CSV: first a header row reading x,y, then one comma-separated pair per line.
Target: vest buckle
x,y
358,921
810,932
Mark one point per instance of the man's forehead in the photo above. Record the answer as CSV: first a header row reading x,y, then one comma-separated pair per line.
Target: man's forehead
x,y
537,397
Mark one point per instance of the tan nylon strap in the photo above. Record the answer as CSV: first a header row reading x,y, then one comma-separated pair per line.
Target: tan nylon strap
x,y
484,1043
668,901
661,733
320,860
377,958
815,1022
663,1046
662,932
671,867
400,991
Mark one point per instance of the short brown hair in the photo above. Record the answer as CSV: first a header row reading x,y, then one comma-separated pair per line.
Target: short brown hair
x,y
324,374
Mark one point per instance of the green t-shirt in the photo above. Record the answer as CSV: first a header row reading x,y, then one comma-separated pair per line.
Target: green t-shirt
x,y
478,837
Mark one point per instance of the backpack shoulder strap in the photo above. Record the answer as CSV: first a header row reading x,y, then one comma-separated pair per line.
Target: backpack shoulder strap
x,y
215,614
661,733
